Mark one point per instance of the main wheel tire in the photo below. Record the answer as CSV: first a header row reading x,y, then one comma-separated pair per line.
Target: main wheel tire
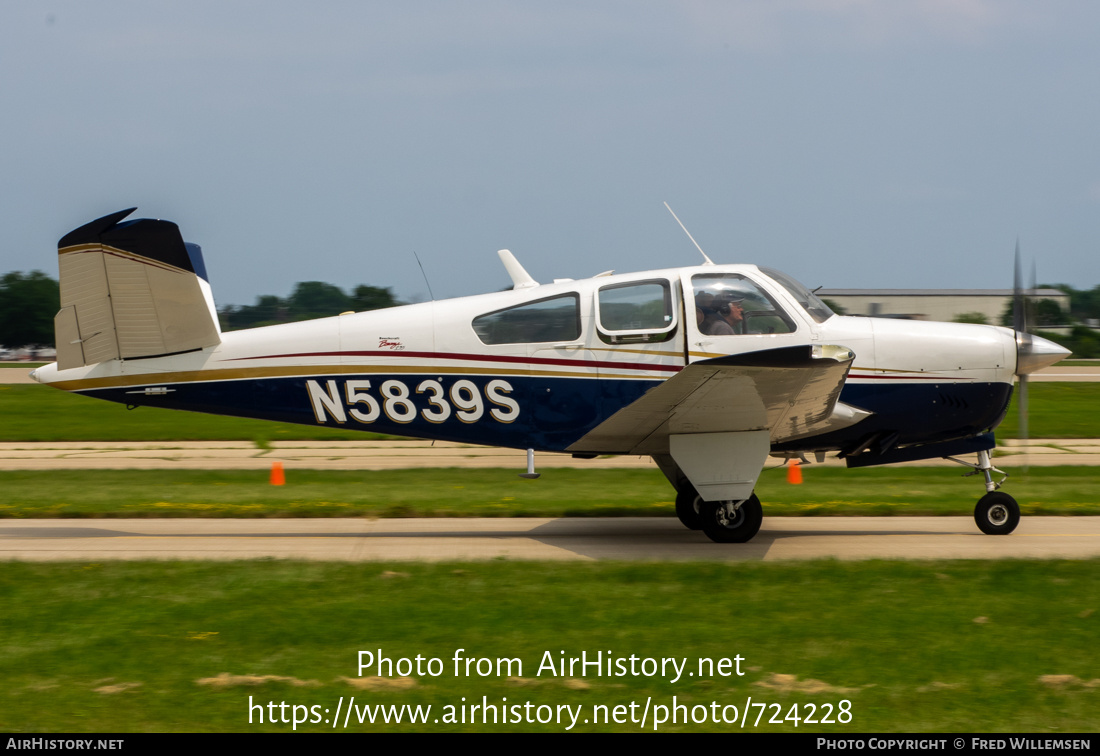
x,y
687,507
997,514
723,526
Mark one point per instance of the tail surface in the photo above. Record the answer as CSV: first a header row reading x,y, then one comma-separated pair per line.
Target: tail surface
x,y
129,290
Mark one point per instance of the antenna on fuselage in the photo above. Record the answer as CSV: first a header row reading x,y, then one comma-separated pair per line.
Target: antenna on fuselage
x,y
704,254
425,274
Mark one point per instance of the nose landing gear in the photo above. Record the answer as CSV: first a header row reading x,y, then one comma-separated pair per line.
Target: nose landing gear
x,y
996,513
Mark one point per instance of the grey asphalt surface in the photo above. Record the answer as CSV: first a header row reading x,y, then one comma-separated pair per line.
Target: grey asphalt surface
x,y
410,453
571,539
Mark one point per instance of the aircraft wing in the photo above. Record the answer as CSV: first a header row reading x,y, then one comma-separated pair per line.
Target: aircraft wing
x,y
790,392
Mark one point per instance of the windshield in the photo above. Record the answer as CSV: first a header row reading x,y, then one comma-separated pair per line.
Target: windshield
x,y
727,304
818,310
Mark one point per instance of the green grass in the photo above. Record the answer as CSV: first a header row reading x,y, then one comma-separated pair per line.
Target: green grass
x,y
500,493
914,647
1056,410
40,413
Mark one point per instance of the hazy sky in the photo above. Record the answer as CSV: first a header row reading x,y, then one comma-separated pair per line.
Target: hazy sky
x,y
853,143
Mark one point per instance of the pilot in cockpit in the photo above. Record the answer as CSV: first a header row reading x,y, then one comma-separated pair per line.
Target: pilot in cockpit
x,y
723,314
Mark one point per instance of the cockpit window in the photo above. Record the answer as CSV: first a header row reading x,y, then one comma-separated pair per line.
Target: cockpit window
x,y
728,304
818,310
554,319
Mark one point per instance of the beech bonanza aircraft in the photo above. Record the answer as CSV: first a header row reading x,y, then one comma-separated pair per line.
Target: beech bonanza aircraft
x,y
708,369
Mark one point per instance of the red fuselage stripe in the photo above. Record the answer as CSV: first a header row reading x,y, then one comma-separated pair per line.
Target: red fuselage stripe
x,y
477,358
518,360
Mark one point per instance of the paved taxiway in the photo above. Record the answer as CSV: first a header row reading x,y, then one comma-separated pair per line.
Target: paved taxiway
x,y
572,539
401,454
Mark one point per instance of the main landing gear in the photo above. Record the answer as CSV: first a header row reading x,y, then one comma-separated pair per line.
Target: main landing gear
x,y
721,521
997,513
687,506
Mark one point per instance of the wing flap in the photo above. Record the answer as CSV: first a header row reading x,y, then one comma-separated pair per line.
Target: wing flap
x,y
791,392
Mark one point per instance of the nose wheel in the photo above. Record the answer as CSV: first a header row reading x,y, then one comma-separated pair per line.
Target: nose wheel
x,y
997,513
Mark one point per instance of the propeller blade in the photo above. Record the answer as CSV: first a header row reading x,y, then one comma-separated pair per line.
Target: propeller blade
x,y
1021,403
1032,352
1029,304
1020,306
1017,296
1023,346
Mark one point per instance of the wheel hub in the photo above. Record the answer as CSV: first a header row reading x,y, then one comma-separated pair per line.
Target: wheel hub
x,y
998,514
730,515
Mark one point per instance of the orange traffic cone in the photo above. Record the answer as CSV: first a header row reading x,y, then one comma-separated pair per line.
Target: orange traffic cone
x,y
277,476
794,472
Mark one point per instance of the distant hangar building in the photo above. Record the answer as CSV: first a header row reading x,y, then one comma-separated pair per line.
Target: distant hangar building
x,y
933,304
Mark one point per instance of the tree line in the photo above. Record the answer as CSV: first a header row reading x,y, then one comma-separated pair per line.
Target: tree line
x,y
29,301
310,299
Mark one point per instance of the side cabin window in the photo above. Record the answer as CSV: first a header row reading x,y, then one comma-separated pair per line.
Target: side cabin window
x,y
728,304
553,319
639,311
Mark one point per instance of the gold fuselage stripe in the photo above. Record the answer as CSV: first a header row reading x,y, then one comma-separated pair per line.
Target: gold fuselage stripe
x,y
237,374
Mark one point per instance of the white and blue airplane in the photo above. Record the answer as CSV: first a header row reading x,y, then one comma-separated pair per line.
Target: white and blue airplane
x,y
708,369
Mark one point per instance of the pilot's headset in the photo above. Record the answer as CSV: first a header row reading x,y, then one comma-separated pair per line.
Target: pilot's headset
x,y
723,302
